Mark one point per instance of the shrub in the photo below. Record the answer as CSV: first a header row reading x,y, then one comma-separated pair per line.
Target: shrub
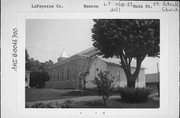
x,y
27,106
50,105
134,95
82,79
104,85
43,105
68,104
38,79
38,105
90,89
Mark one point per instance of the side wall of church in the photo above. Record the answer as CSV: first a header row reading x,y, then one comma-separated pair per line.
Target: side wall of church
x,y
97,66
120,77
66,75
116,71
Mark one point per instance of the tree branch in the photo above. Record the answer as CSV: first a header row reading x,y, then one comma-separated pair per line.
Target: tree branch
x,y
129,64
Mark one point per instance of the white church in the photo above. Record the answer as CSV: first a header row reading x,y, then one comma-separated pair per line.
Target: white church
x,y
65,73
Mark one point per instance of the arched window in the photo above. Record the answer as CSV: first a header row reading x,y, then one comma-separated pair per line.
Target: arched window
x,y
62,75
54,76
67,74
57,76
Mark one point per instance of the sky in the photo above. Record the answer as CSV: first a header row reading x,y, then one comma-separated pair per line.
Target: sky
x,y
47,38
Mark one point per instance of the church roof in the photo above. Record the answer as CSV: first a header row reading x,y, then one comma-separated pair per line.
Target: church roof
x,y
91,52
117,61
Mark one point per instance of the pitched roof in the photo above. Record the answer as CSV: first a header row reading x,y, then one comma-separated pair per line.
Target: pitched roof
x,y
117,61
91,52
152,78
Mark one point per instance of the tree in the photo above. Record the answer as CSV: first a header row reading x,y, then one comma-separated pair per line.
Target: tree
x,y
48,64
104,83
39,74
27,60
127,39
38,79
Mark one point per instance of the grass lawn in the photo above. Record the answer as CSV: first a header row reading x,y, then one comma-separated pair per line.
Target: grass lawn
x,y
53,94
32,94
116,103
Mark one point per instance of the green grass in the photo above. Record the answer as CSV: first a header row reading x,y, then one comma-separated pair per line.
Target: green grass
x,y
53,94
112,103
116,103
32,94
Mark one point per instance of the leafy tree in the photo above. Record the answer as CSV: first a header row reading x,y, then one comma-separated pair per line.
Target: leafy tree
x,y
127,39
47,64
27,60
35,65
104,84
38,79
38,70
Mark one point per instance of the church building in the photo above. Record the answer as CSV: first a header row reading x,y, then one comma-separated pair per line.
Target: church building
x,y
65,74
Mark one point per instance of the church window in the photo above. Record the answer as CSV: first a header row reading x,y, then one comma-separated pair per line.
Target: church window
x,y
62,76
54,78
58,76
51,76
67,74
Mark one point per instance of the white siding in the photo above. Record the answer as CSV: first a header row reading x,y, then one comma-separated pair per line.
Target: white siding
x,y
123,79
97,66
116,71
141,83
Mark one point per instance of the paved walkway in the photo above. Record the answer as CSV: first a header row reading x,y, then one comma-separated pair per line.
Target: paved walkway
x,y
83,98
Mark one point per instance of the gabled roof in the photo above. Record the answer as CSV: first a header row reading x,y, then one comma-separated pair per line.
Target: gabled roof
x,y
117,61
90,52
152,78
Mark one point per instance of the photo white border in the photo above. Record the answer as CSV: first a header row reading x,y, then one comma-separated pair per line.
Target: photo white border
x,y
124,112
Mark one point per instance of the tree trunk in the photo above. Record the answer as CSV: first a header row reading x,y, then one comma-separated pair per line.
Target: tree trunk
x,y
105,101
131,83
126,65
